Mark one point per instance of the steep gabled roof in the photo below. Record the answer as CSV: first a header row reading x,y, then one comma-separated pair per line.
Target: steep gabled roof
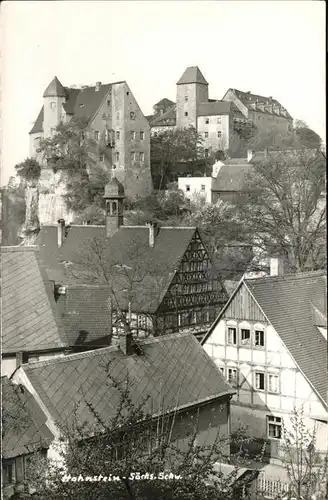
x,y
247,98
129,246
55,89
173,370
29,318
287,302
192,75
82,103
24,423
167,119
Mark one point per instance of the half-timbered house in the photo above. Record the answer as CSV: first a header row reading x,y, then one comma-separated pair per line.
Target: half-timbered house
x,y
270,341
158,278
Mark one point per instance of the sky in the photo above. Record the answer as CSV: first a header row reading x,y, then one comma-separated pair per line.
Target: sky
x,y
271,48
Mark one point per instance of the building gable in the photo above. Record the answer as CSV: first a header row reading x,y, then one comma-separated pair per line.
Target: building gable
x,y
244,306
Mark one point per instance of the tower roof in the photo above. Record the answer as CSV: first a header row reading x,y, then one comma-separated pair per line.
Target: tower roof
x,y
192,75
55,89
114,189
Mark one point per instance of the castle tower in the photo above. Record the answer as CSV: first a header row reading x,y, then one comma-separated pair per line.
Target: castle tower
x,y
53,98
192,89
114,196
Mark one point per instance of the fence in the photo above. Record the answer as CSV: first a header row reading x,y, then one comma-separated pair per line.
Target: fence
x,y
270,487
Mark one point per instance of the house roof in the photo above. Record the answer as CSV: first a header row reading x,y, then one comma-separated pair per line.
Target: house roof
x,y
29,318
173,370
231,178
152,267
192,75
24,423
287,302
114,189
85,314
55,89
164,102
214,108
164,120
82,103
247,98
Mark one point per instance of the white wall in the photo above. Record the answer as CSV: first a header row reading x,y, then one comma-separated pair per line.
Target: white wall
x,y
195,188
218,123
8,365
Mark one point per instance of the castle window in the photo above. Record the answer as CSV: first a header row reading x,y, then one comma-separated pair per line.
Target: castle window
x,y
128,93
133,135
133,155
96,135
186,98
53,105
219,133
117,135
114,208
141,156
259,381
117,156
206,135
274,426
187,187
206,153
102,158
108,102
202,187
186,113
132,115
117,116
207,121
218,120
142,135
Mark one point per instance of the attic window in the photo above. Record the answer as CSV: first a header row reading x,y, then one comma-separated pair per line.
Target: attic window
x,y
132,115
128,93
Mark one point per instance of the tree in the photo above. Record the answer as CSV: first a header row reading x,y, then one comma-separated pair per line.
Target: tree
x,y
15,208
283,210
73,152
135,447
306,136
172,146
306,470
29,170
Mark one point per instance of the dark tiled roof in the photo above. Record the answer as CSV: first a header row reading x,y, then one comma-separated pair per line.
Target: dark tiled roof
x,y
231,177
288,304
166,119
55,89
164,102
85,314
192,75
214,108
24,423
173,370
247,98
38,125
153,268
82,103
29,318
114,189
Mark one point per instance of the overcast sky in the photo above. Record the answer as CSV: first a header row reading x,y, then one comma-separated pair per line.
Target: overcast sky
x,y
273,48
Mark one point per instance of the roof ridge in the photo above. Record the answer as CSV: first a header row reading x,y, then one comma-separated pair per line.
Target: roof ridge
x,y
68,357
300,275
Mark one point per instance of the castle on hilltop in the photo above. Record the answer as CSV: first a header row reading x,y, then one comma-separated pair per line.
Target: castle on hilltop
x,y
215,119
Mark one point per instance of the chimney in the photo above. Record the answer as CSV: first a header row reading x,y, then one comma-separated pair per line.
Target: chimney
x,y
97,86
126,343
249,155
153,231
60,232
276,266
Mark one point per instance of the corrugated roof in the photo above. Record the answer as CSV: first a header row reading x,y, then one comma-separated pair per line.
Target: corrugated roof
x,y
29,318
214,108
231,177
24,423
173,370
82,103
192,75
55,89
287,302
